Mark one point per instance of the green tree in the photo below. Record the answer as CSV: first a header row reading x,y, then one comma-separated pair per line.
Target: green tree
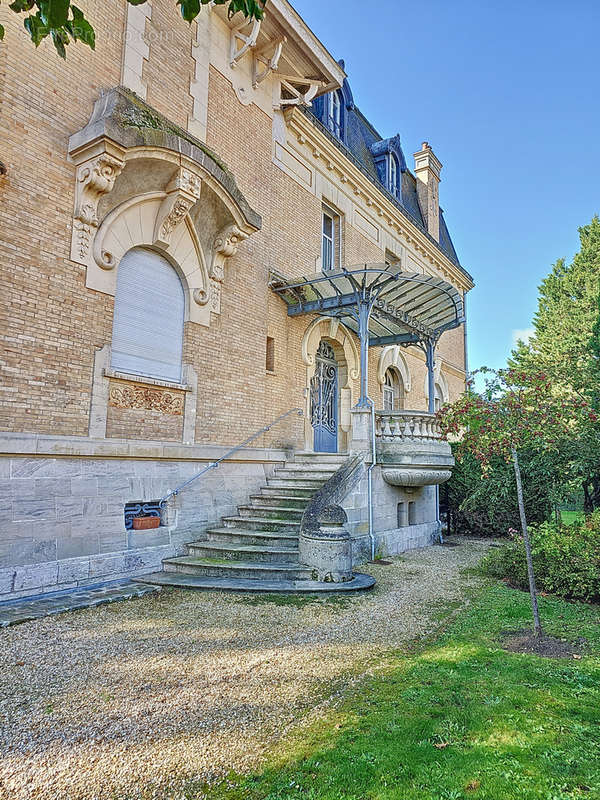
x,y
566,347
64,22
517,411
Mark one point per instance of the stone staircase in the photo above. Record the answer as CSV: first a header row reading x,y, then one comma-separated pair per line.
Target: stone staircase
x,y
257,550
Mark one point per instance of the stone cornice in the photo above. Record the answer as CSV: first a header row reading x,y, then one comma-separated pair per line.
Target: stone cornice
x,y
349,175
46,445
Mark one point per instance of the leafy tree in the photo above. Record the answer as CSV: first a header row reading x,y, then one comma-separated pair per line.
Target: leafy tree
x,y
516,411
566,347
64,22
489,507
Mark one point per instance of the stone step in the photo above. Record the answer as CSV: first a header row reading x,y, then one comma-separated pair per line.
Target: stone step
x,y
325,458
223,568
237,536
271,512
261,524
283,474
231,584
290,493
311,471
294,483
279,501
243,552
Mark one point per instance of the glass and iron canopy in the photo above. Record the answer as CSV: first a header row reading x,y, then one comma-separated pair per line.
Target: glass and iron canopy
x,y
405,307
381,304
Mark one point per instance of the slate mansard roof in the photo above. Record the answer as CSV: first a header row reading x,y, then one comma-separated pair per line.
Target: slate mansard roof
x,y
357,139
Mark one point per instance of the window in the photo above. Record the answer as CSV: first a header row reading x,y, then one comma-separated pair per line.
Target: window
x,y
412,513
402,515
330,250
393,175
333,113
270,356
393,391
438,400
148,319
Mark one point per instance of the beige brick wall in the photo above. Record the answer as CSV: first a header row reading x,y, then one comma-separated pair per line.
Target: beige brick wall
x,y
144,424
52,324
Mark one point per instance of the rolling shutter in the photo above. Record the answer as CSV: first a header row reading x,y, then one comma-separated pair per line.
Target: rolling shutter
x,y
148,321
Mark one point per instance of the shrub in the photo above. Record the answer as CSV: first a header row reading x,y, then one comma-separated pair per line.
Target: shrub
x,y
566,559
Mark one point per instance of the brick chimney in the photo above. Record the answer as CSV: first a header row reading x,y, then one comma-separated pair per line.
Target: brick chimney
x,y
427,171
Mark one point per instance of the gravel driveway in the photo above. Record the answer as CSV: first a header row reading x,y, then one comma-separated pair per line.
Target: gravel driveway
x,y
129,700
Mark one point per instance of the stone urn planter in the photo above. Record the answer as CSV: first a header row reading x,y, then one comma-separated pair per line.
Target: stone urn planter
x,y
145,523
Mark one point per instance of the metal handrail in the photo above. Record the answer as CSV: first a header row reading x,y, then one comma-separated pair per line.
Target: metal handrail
x,y
229,453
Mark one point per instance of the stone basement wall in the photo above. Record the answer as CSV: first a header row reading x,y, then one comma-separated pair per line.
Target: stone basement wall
x,y
62,501
389,538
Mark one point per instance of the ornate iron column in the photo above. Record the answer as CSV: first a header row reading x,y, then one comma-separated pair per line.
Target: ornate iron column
x,y
430,362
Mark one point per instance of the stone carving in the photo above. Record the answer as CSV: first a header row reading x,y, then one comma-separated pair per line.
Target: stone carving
x,y
225,245
215,296
94,179
182,192
191,183
397,476
138,396
201,297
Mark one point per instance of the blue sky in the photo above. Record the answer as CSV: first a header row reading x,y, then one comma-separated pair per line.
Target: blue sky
x,y
508,95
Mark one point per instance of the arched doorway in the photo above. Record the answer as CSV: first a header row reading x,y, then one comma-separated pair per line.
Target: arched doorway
x,y
324,400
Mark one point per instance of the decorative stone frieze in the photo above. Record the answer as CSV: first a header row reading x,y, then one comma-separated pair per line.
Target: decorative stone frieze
x,y
137,396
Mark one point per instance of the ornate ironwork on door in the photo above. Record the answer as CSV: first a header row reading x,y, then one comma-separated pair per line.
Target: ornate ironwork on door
x,y
323,400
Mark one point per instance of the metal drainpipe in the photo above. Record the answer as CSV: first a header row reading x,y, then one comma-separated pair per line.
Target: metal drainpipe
x,y
370,479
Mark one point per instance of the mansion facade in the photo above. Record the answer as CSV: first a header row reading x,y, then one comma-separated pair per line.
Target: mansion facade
x,y
174,210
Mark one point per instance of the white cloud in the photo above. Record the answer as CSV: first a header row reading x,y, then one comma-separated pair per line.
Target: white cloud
x,y
523,334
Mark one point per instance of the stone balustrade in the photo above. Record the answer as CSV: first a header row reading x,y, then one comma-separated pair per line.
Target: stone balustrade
x,y
407,426
411,449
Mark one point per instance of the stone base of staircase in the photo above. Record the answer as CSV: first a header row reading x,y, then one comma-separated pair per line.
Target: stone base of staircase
x,y
187,581
257,550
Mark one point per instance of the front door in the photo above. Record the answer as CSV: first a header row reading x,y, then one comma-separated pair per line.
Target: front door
x,y
323,400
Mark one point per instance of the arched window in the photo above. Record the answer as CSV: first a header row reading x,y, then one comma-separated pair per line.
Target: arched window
x,y
438,400
393,391
148,321
333,113
394,174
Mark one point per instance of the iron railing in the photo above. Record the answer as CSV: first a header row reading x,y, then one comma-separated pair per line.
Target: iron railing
x,y
228,454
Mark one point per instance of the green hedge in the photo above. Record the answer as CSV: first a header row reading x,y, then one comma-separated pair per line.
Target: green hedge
x,y
566,559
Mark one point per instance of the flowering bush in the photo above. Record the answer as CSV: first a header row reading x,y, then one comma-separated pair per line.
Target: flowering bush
x,y
566,559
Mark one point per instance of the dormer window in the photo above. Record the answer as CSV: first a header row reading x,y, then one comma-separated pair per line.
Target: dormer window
x,y
393,175
333,113
390,163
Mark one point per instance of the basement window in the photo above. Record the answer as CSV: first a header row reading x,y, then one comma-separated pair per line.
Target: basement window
x,y
270,354
402,521
152,508
412,513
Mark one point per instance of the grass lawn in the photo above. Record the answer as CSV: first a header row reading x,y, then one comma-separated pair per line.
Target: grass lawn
x,y
569,517
458,717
